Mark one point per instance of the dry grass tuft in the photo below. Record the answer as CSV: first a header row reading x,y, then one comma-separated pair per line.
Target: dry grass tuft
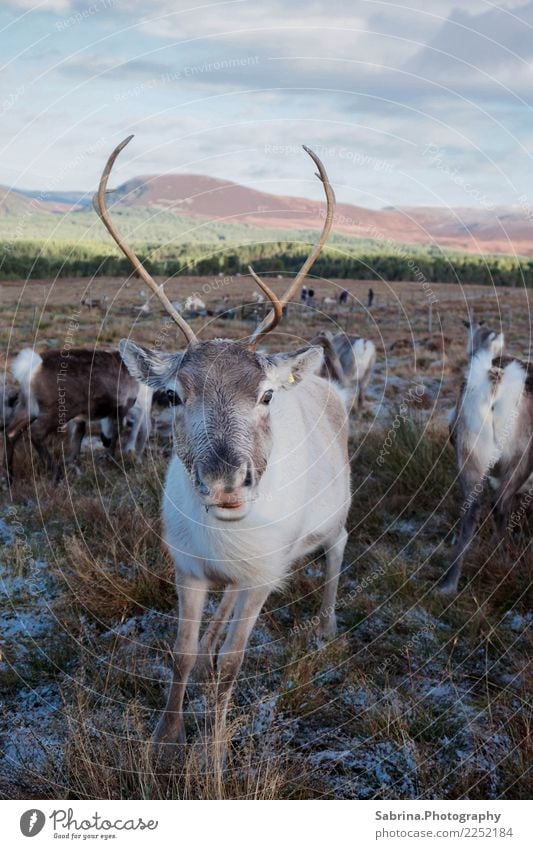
x,y
116,579
109,760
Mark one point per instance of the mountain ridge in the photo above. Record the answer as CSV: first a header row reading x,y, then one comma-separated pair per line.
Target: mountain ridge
x,y
506,230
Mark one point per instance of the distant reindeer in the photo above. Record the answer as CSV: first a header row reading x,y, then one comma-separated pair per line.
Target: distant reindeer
x,y
349,360
492,430
259,477
95,303
194,304
58,386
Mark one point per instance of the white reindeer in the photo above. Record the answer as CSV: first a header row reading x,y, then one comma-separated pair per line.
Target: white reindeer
x,y
492,430
194,304
259,477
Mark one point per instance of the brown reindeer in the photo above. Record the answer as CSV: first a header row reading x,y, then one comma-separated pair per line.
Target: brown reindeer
x,y
492,431
59,386
8,399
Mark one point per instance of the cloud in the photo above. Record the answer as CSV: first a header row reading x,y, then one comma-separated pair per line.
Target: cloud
x,y
488,41
42,6
217,87
382,50
90,65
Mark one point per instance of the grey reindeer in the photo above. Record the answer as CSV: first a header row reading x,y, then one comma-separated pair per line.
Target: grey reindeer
x,y
491,429
348,360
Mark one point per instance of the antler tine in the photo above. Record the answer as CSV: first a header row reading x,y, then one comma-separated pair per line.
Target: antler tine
x,y
99,203
274,316
277,306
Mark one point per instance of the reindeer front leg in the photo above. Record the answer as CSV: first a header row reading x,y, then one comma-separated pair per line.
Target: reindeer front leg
x,y
114,434
327,626
472,481
248,606
39,430
191,595
77,432
19,424
213,633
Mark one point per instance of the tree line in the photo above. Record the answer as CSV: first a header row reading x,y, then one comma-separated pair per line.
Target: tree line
x,y
23,260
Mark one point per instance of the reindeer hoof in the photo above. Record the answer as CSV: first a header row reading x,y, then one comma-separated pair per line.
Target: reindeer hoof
x,y
163,754
165,744
327,627
167,733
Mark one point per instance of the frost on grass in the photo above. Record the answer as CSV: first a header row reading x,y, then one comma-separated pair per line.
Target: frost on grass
x,y
32,734
417,697
30,702
369,769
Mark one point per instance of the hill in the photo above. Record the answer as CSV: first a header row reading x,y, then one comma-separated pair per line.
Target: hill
x,y
172,204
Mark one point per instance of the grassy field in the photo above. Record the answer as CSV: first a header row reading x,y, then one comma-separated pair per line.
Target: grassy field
x,y
419,696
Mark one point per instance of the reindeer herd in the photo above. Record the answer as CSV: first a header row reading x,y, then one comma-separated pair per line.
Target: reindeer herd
x,y
260,472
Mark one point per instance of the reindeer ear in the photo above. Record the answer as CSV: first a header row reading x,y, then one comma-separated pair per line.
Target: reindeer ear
x,y
150,367
466,323
289,369
481,323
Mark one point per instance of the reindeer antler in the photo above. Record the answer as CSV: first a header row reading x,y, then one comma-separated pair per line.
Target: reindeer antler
x,y
274,316
101,208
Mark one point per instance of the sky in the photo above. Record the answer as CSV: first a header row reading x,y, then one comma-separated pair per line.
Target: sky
x,y
422,102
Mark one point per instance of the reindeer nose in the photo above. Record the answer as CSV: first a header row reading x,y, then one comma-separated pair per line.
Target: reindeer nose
x,y
241,477
227,480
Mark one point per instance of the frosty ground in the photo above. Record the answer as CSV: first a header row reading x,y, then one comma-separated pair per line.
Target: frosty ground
x,y
419,696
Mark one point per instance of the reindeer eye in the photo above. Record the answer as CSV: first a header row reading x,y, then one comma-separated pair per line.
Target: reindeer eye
x,y
173,398
267,397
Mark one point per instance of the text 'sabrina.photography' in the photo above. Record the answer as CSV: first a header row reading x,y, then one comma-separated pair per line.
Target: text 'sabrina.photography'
x,y
266,418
